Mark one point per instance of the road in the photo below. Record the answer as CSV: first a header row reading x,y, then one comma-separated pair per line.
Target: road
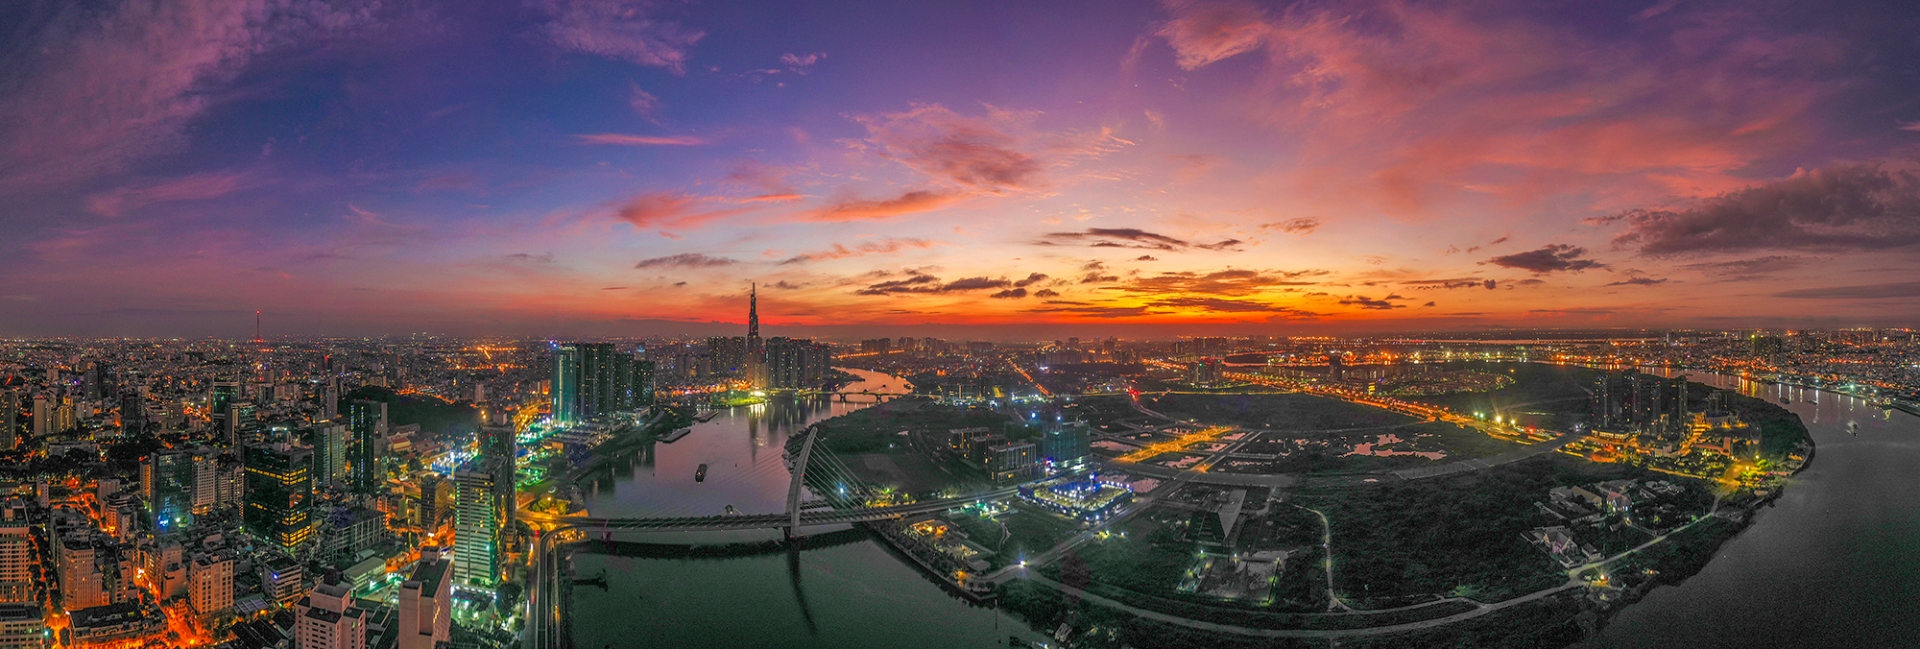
x,y
1304,633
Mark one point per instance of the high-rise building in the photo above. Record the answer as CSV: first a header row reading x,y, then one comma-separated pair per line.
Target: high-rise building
x,y
210,583
279,494
367,446
794,363
327,619
220,405
595,379
22,626
477,537
426,602
133,413
167,483
330,455
9,419
1012,462
206,481
42,416
17,559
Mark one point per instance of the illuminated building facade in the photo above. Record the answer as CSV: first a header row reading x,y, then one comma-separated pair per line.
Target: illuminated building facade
x,y
279,494
478,516
595,379
366,446
330,455
167,484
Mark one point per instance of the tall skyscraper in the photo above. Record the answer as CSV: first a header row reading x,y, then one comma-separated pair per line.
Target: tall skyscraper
x,y
367,446
477,511
220,410
426,602
595,379
330,443
167,484
133,413
756,349
279,494
42,416
9,419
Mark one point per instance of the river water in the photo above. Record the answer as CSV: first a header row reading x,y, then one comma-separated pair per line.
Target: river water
x,y
1834,562
852,596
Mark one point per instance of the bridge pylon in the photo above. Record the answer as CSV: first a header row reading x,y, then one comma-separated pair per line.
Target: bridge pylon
x,y
799,480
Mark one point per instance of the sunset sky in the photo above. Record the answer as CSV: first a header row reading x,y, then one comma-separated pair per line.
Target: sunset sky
x,y
1036,167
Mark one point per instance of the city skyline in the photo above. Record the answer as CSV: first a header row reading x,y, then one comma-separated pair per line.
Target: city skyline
x,y
599,168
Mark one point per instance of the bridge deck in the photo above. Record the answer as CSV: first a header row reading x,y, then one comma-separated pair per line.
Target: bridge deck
x,y
767,521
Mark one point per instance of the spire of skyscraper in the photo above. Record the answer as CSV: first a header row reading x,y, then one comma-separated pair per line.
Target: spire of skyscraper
x,y
753,310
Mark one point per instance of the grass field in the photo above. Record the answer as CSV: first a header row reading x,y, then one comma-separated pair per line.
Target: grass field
x,y
1410,540
1273,411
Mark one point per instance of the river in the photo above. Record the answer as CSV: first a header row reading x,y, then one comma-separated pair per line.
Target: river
x,y
1832,563
853,595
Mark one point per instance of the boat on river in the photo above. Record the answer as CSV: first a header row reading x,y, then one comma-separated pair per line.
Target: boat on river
x,y
700,474
675,436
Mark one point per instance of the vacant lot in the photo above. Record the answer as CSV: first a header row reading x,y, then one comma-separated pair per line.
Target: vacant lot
x,y
1298,412
1408,540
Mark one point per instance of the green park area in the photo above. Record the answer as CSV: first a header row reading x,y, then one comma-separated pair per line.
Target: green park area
x,y
1015,534
879,428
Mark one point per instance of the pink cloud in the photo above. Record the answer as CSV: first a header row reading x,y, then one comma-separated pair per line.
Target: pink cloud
x,y
196,187
125,81
619,29
1411,108
624,139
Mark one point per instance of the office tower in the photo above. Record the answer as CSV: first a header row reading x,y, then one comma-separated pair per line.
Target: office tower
x,y
133,413
9,419
477,529
367,448
230,481
564,390
426,603
756,349
330,455
167,482
279,494
210,579
220,410
17,559
327,619
42,416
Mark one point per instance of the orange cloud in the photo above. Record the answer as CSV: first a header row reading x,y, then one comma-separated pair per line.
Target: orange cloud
x,y
855,209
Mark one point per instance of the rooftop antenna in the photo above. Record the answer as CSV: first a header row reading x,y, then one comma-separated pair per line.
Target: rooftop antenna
x,y
256,327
